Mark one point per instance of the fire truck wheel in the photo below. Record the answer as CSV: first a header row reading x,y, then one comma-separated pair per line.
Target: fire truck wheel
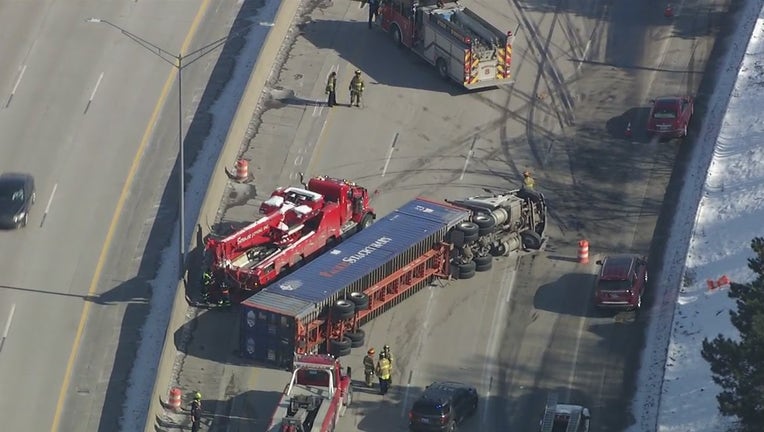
x,y
442,67
365,221
531,239
484,221
340,348
470,230
396,32
483,263
357,338
361,300
343,309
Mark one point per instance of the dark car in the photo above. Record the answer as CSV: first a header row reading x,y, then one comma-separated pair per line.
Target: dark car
x,y
442,406
17,194
670,116
621,282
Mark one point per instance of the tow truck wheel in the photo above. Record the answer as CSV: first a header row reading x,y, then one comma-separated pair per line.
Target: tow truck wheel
x,y
341,347
442,68
397,36
342,310
531,239
361,300
483,263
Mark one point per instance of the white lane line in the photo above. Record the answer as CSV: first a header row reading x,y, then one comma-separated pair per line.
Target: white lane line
x,y
16,86
420,344
583,57
390,153
572,376
47,207
7,326
92,95
469,156
492,349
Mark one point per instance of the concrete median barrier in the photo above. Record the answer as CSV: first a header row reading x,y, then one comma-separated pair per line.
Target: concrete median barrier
x,y
235,139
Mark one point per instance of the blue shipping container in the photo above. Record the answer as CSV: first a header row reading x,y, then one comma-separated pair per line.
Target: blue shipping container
x,y
324,279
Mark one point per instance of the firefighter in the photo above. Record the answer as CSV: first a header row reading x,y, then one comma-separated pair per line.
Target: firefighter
x,y
356,89
373,11
206,284
196,412
331,89
384,369
368,367
387,353
225,295
528,181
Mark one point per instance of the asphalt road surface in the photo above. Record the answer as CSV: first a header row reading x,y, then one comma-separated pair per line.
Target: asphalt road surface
x,y
77,102
584,72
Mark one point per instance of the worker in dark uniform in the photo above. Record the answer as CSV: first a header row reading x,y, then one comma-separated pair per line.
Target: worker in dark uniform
x,y
384,372
331,89
225,295
373,11
196,412
206,284
356,89
368,367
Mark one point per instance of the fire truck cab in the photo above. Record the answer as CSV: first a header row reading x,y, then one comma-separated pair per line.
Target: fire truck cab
x,y
461,45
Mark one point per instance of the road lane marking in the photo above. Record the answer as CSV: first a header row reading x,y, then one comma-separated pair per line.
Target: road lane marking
x,y
7,326
92,95
390,153
494,337
583,56
469,156
572,376
47,207
169,82
16,86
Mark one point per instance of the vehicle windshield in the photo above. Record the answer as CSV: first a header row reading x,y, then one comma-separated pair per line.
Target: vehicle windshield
x,y
614,285
11,193
430,409
664,113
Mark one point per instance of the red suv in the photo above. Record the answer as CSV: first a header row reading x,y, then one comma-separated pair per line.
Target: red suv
x,y
621,282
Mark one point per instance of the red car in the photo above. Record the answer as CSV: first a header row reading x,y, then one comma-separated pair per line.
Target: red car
x,y
621,282
670,116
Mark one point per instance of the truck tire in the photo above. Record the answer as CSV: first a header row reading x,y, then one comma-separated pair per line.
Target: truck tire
x,y
531,240
467,270
500,248
442,67
361,300
396,32
486,231
470,230
483,220
341,347
342,310
483,263
357,338
366,221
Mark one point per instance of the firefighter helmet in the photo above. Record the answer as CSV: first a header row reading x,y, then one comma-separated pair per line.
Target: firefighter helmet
x,y
386,348
526,174
358,72
197,396
370,351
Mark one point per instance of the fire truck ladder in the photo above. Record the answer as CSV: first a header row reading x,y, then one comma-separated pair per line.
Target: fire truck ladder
x,y
575,419
549,412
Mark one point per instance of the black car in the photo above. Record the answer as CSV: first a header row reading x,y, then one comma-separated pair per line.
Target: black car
x,y
17,194
442,406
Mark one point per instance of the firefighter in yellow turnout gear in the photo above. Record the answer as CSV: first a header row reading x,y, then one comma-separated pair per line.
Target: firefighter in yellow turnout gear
x,y
356,89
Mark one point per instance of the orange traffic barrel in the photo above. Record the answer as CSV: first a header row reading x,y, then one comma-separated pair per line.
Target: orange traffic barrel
x,y
175,399
583,252
242,170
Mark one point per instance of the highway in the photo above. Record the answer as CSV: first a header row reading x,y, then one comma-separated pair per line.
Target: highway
x,y
83,109
584,71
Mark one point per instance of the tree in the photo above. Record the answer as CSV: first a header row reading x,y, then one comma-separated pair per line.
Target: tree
x,y
738,365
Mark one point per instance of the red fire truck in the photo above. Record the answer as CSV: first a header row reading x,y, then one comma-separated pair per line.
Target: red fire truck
x,y
297,225
462,46
315,398
320,307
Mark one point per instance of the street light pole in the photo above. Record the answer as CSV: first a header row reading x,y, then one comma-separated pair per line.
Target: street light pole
x,y
177,61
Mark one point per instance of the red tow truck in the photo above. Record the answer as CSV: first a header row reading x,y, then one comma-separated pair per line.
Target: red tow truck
x,y
297,225
461,45
315,398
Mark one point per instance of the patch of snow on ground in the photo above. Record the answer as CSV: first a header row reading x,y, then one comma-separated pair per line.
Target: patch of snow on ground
x,y
718,213
143,374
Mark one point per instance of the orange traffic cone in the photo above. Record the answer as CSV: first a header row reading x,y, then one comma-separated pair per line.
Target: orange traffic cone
x,y
628,130
669,11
